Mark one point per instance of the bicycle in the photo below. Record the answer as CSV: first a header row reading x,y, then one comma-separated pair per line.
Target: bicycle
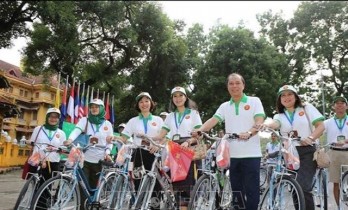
x,y
63,191
33,183
343,201
319,187
122,191
213,188
283,191
143,198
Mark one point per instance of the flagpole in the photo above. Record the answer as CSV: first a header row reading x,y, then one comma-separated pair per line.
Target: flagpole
x,y
92,97
57,102
98,93
86,102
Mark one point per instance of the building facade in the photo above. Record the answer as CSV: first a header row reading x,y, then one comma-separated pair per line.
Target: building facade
x,y
33,96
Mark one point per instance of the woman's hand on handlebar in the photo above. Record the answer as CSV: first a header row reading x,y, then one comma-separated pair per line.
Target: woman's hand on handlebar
x,y
153,149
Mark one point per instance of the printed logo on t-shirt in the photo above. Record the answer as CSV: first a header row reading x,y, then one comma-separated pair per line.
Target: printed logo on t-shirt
x,y
106,128
154,124
187,117
57,135
246,107
301,113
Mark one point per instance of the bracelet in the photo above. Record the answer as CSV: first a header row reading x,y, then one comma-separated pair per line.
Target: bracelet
x,y
311,138
188,141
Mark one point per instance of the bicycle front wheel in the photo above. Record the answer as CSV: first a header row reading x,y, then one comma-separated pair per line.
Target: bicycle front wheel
x,y
57,193
285,193
203,194
26,195
344,192
144,193
320,190
105,190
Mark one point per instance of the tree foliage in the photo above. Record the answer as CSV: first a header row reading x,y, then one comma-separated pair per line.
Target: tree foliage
x,y
316,39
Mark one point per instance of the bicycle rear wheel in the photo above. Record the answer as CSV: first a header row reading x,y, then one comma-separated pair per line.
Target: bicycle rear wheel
x,y
286,193
57,193
26,195
203,194
320,190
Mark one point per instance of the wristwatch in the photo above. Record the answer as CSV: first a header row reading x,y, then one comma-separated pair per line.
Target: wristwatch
x,y
250,133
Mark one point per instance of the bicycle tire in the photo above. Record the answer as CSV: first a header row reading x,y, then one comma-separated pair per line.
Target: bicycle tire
x,y
105,190
282,189
121,193
343,201
203,193
143,193
226,195
263,176
24,199
57,193
322,194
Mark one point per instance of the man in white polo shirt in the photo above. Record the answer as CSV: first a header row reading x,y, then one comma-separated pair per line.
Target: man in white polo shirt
x,y
241,113
337,133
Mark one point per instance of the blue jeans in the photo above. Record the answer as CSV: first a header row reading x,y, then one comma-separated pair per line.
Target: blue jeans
x,y
245,182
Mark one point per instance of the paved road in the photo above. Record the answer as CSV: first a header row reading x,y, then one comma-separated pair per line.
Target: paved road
x,y
11,183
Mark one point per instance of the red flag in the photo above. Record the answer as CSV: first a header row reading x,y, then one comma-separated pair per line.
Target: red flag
x,y
107,108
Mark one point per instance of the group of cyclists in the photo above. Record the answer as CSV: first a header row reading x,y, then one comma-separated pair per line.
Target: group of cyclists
x,y
242,114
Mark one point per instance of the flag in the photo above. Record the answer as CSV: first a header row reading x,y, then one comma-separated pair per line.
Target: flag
x,y
57,102
82,103
112,111
86,102
63,105
107,108
77,104
71,109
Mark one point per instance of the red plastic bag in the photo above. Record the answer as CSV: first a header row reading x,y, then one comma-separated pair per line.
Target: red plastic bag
x,y
223,154
25,169
34,159
179,161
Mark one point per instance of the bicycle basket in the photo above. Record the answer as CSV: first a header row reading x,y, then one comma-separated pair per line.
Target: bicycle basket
x,y
74,156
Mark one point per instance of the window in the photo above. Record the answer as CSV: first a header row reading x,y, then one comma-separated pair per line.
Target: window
x,y
1,150
26,94
37,94
34,115
21,92
52,96
21,115
10,90
20,152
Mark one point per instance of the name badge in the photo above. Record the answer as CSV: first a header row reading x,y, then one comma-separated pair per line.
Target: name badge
x,y
293,134
176,137
341,138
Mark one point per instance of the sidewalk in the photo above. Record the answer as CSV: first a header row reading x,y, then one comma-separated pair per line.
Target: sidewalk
x,y
9,169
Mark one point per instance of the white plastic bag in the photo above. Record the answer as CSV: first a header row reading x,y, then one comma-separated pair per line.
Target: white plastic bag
x,y
291,157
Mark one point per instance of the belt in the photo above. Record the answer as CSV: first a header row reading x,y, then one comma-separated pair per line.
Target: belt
x,y
339,148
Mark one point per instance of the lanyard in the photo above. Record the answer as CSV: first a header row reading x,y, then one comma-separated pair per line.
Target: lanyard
x,y
340,127
97,126
145,120
291,117
49,138
177,124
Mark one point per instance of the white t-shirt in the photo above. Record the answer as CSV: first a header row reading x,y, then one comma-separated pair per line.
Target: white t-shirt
x,y
300,122
332,128
54,138
240,118
182,124
139,125
105,129
271,148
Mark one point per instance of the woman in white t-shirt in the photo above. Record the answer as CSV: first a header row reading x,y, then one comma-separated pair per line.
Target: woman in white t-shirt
x,y
150,125
298,118
50,134
97,127
178,126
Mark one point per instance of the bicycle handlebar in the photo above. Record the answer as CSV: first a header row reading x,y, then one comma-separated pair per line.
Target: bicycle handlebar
x,y
226,136
150,140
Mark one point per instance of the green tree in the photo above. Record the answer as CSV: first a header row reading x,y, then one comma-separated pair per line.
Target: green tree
x,y
237,50
13,18
316,34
